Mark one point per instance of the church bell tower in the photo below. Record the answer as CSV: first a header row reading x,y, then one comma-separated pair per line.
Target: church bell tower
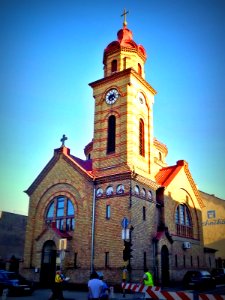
x,y
123,122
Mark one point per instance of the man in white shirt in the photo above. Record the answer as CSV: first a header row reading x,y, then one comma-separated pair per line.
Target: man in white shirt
x,y
94,286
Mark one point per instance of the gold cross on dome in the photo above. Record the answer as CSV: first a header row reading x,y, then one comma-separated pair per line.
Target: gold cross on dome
x,y
124,15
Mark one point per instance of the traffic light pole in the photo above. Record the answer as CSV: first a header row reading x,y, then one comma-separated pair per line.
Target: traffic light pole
x,y
130,240
127,239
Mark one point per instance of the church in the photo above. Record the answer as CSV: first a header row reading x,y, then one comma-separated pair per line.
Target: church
x,y
122,205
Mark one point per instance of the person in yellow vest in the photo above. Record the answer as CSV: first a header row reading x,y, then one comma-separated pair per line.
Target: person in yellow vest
x,y
148,278
124,278
57,291
124,274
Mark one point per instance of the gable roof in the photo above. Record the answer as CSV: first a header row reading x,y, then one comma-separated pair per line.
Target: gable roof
x,y
60,234
85,164
82,166
166,175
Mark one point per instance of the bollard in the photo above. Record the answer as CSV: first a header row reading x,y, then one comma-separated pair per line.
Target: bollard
x,y
111,292
4,294
195,295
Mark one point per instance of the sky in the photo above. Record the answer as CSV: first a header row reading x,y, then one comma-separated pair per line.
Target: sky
x,y
51,50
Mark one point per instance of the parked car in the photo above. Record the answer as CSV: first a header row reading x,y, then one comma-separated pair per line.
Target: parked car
x,y
199,280
15,283
219,275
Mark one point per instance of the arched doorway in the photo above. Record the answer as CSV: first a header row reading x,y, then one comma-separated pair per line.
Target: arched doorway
x,y
48,264
165,266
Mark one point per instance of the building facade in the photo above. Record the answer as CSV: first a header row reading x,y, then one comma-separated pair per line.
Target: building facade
x,y
213,222
80,211
12,237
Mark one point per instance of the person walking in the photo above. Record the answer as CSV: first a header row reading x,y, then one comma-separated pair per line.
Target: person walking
x,y
94,286
57,290
124,279
148,278
105,289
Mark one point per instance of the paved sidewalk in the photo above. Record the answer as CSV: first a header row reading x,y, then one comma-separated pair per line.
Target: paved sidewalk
x,y
43,294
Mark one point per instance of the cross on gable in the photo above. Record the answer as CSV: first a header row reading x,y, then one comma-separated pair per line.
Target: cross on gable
x,y
63,139
124,15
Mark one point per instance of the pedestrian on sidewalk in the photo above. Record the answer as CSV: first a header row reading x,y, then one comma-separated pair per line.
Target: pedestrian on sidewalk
x,y
105,289
124,279
148,278
94,286
57,289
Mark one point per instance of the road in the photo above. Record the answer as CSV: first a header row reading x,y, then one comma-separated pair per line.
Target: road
x,y
43,294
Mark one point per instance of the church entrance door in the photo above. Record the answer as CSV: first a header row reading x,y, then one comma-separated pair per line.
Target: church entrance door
x,y
165,266
48,264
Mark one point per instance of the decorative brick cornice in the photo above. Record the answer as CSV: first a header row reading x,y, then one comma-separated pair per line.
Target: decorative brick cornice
x,y
63,152
162,147
193,185
147,181
120,74
113,178
78,168
88,148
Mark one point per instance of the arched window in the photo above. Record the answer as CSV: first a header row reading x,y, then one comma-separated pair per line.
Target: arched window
x,y
99,192
160,156
144,213
109,191
108,212
61,212
183,221
114,66
120,189
124,63
139,69
141,138
143,193
111,141
149,195
137,190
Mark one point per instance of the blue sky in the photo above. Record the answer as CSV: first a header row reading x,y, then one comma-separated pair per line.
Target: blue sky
x,y
51,50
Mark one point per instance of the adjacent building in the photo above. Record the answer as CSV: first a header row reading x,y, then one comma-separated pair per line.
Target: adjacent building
x,y
213,217
12,237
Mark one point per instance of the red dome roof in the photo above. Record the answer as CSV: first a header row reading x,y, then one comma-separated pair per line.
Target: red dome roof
x,y
125,40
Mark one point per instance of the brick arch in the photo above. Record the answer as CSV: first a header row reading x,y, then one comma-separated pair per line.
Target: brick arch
x,y
145,97
111,113
143,117
51,193
193,212
47,271
57,183
112,87
63,193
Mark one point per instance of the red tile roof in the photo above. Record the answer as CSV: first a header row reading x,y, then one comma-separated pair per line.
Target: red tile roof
x,y
159,235
62,234
85,164
167,174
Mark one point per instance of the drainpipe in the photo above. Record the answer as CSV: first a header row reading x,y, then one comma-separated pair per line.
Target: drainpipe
x,y
93,229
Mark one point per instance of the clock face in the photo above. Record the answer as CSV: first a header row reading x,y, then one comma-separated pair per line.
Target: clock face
x,y
111,96
141,98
